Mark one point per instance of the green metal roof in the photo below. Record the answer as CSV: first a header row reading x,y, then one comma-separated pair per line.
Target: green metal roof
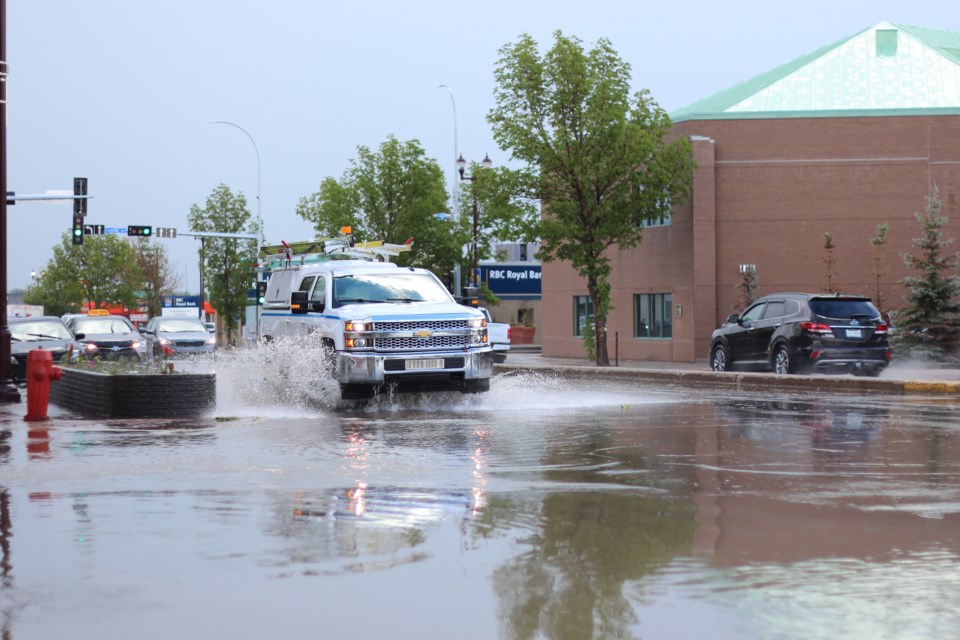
x,y
888,69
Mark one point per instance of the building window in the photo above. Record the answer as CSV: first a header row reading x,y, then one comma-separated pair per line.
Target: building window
x,y
662,221
651,315
523,252
886,43
582,315
663,203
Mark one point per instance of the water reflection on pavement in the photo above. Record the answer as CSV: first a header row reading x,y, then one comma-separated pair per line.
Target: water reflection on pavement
x,y
543,509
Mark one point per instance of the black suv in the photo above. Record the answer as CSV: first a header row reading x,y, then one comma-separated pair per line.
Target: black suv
x,y
801,332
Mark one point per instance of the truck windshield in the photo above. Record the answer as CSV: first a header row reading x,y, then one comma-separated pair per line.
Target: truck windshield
x,y
397,288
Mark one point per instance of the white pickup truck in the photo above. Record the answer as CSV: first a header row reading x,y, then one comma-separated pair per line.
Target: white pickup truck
x,y
381,325
499,333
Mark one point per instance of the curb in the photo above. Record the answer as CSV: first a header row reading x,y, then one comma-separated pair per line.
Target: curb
x,y
737,381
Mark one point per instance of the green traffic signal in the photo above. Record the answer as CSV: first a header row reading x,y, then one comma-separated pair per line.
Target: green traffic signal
x,y
77,228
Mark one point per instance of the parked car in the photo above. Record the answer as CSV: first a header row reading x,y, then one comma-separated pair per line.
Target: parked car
x,y
107,337
180,336
36,332
211,327
803,332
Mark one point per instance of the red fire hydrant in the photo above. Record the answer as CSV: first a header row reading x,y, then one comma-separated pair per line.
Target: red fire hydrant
x,y
40,373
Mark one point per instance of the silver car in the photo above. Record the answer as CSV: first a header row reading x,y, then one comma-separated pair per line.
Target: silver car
x,y
36,332
178,337
106,336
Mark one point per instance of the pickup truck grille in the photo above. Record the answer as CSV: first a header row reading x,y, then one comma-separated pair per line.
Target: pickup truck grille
x,y
433,325
409,344
415,343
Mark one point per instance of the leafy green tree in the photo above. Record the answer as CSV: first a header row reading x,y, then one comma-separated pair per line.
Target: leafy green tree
x,y
931,318
101,272
390,195
226,263
156,276
596,156
504,213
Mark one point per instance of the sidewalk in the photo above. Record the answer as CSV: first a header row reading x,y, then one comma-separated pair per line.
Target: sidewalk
x,y
899,378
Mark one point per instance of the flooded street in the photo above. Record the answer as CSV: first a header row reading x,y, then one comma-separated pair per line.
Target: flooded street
x,y
544,509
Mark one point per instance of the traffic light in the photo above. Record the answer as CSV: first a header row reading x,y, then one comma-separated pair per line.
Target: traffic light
x,y
77,228
139,230
79,209
79,204
261,292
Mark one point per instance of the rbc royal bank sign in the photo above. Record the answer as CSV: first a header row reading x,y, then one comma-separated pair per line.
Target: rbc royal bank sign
x,y
512,281
181,306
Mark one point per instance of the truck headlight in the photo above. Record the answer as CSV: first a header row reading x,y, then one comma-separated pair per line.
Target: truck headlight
x,y
477,323
352,339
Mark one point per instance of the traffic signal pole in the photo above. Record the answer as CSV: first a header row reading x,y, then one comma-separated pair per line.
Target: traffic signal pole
x,y
8,390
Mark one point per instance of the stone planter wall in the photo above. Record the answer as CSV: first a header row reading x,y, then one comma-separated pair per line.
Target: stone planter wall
x,y
522,335
99,395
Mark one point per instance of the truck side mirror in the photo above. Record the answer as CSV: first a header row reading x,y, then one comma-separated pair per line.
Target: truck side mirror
x,y
298,302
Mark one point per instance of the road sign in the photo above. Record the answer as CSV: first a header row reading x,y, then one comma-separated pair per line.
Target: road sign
x,y
165,232
92,229
121,230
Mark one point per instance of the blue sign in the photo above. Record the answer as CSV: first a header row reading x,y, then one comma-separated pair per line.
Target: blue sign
x,y
512,281
121,230
180,302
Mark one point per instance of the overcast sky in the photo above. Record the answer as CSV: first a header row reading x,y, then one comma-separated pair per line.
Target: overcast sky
x,y
121,91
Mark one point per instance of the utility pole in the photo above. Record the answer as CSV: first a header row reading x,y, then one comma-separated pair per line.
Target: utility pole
x,y
8,390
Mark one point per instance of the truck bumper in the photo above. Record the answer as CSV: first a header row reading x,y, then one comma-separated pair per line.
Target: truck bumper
x,y
452,366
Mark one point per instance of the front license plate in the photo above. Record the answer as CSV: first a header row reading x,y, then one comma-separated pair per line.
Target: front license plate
x,y
434,363
854,333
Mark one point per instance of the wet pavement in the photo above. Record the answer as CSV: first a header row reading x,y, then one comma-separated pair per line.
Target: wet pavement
x,y
548,508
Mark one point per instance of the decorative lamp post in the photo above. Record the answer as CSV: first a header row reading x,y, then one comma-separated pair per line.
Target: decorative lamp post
x,y
461,167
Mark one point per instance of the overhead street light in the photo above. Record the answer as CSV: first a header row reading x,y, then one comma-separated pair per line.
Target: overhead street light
x,y
453,188
260,240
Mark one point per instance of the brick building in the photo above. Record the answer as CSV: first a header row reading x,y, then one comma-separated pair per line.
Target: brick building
x,y
838,141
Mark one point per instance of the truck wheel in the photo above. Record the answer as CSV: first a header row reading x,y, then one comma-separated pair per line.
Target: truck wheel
x,y
476,386
357,391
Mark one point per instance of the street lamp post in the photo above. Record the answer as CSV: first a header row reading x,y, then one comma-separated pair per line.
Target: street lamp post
x,y
260,241
461,167
453,188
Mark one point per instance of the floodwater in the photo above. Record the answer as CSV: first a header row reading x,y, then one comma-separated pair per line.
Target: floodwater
x,y
543,509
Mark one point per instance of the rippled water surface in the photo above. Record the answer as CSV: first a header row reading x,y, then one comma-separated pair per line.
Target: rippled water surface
x,y
544,509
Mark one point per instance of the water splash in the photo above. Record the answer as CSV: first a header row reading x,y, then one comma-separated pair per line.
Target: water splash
x,y
290,377
288,373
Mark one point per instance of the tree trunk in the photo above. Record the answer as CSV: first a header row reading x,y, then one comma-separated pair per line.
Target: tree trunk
x,y
600,338
601,358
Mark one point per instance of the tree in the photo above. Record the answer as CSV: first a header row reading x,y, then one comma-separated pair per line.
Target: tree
x,y
390,195
226,263
930,318
597,157
829,262
879,260
157,277
101,272
749,281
